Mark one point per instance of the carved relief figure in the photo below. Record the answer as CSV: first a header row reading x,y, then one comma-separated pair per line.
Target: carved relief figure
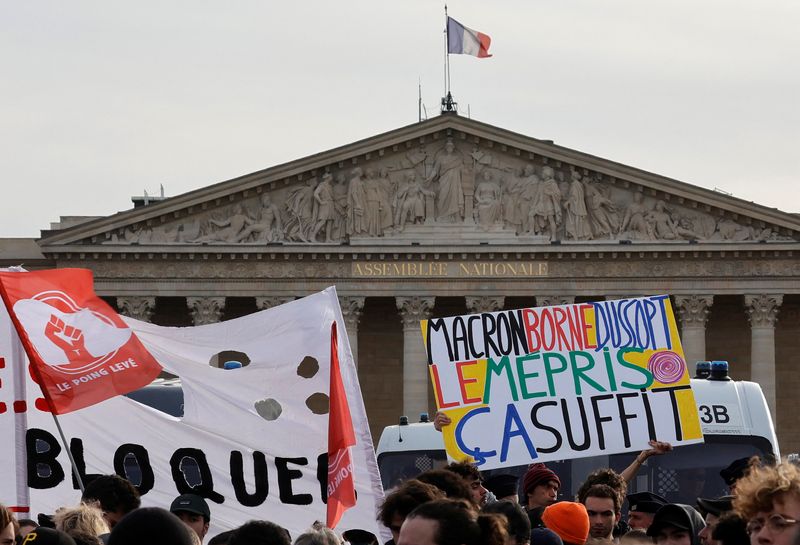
x,y
602,211
661,223
576,224
356,204
411,202
683,229
326,208
512,187
528,198
340,207
226,229
372,210
634,220
300,204
547,210
386,192
268,227
730,230
488,206
450,198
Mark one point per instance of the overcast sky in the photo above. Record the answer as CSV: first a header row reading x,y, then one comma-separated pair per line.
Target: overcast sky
x,y
101,100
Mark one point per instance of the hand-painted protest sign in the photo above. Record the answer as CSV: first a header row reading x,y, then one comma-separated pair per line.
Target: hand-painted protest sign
x,y
554,383
252,440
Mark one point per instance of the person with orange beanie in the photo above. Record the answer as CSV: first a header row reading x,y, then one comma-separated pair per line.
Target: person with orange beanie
x,y
569,520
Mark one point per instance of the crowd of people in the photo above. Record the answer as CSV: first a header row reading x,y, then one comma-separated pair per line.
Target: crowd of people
x,y
455,505
763,508
110,513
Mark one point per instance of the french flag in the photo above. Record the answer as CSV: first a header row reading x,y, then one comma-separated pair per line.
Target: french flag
x,y
465,41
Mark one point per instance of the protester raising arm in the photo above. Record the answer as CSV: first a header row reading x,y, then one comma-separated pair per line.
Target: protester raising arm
x,y
657,448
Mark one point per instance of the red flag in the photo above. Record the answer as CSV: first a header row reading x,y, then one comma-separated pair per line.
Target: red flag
x,y
341,489
81,351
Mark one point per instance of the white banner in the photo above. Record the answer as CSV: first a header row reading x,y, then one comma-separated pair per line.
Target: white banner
x,y
255,434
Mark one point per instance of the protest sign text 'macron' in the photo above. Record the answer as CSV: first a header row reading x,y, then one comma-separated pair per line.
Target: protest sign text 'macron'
x,y
553,383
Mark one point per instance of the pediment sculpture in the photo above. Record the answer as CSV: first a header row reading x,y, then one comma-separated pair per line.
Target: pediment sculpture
x,y
449,183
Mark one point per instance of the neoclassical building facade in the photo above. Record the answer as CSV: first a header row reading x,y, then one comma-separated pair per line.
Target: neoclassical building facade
x,y
445,217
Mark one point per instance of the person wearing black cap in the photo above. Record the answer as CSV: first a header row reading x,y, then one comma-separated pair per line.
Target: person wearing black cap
x,y
503,486
676,524
150,526
47,536
713,509
735,471
642,507
193,510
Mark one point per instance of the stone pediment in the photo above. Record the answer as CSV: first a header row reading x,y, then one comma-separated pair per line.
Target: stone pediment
x,y
445,181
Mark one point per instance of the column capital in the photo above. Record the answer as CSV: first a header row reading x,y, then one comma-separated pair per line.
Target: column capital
x,y
484,303
762,309
263,303
205,310
137,307
553,300
693,309
414,309
351,306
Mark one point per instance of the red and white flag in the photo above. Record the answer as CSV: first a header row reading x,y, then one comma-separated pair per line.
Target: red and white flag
x,y
341,488
81,351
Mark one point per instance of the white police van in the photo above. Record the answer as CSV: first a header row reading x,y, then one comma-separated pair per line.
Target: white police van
x,y
735,420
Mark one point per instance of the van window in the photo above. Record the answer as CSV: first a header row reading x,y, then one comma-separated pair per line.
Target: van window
x,y
399,466
683,475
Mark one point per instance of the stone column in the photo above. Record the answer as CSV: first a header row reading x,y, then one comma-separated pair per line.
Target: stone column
x,y
137,307
762,311
263,303
693,311
205,310
351,311
415,362
554,300
484,303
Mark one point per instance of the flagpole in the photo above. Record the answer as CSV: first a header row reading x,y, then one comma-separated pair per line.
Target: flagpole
x,y
446,52
69,452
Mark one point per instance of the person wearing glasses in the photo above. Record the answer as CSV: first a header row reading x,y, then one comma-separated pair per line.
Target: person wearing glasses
x,y
768,498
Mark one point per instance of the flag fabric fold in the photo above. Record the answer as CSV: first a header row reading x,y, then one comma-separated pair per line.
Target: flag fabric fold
x,y
465,41
81,351
341,436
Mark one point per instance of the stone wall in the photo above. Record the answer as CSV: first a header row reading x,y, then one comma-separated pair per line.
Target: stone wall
x,y
787,347
380,363
728,335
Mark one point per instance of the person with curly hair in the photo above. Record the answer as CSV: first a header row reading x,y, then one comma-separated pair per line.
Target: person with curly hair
x,y
768,498
84,523
452,522
452,484
470,473
404,499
